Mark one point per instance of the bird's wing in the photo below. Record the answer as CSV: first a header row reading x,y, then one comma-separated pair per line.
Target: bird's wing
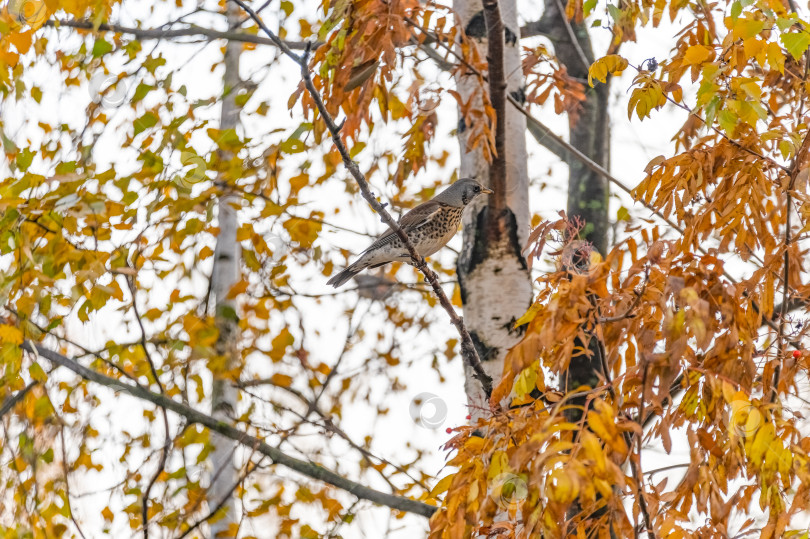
x,y
417,217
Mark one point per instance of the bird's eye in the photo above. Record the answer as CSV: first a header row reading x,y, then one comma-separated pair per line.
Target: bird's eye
x,y
477,189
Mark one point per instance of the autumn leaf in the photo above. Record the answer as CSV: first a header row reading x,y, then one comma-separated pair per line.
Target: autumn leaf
x,y
611,64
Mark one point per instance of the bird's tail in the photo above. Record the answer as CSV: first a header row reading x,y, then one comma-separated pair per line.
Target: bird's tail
x,y
352,270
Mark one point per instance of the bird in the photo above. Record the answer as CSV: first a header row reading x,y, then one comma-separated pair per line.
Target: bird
x,y
429,226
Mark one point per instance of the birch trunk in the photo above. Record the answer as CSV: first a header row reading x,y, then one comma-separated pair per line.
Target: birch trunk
x,y
492,273
226,272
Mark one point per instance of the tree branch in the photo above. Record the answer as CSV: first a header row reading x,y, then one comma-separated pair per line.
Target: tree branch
x,y
468,351
10,402
159,33
309,469
530,30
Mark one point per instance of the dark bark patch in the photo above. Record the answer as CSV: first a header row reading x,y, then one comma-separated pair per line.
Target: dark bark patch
x,y
480,246
485,352
509,36
520,330
477,27
462,125
519,95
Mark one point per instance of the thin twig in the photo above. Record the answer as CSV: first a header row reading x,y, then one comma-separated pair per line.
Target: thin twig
x,y
636,464
309,469
164,454
159,33
329,424
628,313
572,36
795,167
67,483
724,136
468,350
86,351
249,470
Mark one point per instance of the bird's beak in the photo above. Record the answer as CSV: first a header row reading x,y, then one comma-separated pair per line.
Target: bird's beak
x,y
487,191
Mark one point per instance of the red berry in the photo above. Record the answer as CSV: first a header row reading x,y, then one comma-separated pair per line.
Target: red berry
x,y
469,417
449,430
797,354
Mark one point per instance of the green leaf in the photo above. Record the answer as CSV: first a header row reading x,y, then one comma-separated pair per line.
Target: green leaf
x,y
736,10
101,47
141,91
65,167
145,122
796,43
37,373
226,139
24,159
152,63
623,214
728,121
786,22
287,7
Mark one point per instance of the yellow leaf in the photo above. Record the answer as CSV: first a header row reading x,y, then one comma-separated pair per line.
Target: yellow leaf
x,y
10,334
747,28
498,464
696,54
529,315
612,64
280,343
281,380
303,231
472,493
776,58
761,443
107,514
442,486
562,487
526,380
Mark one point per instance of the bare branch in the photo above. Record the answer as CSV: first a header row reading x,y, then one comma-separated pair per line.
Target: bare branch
x,y
164,454
249,470
159,33
573,37
10,402
309,469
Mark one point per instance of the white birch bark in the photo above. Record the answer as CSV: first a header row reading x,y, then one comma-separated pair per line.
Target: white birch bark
x,y
226,273
495,283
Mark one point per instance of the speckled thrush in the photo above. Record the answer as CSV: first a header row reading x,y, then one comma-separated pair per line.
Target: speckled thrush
x,y
429,226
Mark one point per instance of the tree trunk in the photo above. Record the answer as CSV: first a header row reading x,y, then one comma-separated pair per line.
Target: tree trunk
x,y
590,128
493,276
225,275
587,191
